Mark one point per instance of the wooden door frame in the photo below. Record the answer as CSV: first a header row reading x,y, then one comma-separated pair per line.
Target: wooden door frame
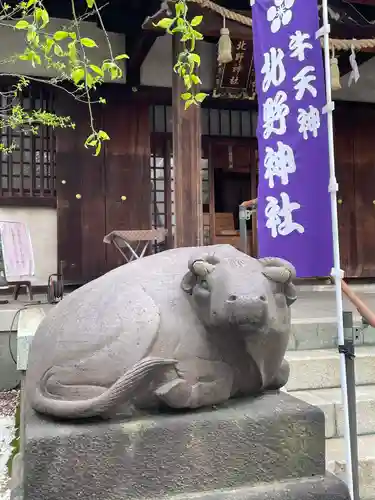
x,y
252,143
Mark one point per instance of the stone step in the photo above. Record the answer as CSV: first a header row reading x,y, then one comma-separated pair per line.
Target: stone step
x,y
321,333
329,401
320,369
335,458
314,319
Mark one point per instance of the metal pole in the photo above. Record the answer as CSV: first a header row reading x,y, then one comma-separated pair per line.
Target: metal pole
x,y
243,228
352,401
337,273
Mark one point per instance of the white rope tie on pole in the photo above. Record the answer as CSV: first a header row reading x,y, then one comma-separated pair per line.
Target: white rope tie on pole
x,y
336,272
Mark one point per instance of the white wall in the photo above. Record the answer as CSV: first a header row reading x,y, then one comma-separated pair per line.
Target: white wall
x,y
157,68
42,224
363,90
13,42
157,71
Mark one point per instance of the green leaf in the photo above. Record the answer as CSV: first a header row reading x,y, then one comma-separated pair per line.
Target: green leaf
x,y
200,97
181,9
164,23
90,3
60,35
30,3
90,141
102,100
36,60
121,56
88,42
196,21
40,14
114,72
194,58
96,69
45,17
103,135
31,35
186,96
188,103
22,25
58,50
197,35
89,80
98,149
48,45
187,82
72,51
77,75
196,80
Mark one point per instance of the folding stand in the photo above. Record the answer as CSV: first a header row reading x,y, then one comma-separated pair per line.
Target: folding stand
x,y
133,245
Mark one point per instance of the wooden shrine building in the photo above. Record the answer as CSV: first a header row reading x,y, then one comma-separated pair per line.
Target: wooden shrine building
x,y
164,167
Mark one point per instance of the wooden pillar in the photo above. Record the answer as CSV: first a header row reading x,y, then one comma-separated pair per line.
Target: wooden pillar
x,y
187,164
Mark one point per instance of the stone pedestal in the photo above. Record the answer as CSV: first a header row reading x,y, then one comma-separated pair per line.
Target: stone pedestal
x,y
269,448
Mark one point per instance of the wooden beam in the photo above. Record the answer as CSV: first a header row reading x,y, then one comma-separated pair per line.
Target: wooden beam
x,y
363,2
137,49
210,26
187,165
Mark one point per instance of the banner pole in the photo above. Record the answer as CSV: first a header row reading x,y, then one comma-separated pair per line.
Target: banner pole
x,y
336,272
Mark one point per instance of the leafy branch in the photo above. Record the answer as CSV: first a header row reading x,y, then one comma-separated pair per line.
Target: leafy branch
x,y
67,53
188,61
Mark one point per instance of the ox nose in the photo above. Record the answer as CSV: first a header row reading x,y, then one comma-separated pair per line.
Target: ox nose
x,y
246,309
234,298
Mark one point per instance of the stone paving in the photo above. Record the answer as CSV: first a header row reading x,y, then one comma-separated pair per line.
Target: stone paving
x,y
8,404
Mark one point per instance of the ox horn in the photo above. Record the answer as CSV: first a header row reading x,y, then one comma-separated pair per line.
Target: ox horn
x,y
202,268
278,270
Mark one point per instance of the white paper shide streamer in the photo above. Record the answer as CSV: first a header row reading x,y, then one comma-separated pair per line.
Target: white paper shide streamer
x,y
354,74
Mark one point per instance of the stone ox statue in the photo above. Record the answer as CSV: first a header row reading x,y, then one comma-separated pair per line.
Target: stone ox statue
x,y
185,328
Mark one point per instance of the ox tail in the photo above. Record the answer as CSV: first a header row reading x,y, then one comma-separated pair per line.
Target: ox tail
x,y
120,392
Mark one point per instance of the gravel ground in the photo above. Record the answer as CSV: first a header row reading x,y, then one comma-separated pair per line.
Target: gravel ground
x,y
8,405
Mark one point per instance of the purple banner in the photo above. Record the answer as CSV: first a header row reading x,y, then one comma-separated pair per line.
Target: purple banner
x,y
294,217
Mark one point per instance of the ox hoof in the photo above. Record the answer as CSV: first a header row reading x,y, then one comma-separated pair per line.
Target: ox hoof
x,y
175,394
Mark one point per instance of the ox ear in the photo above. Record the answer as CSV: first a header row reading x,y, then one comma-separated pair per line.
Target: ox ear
x,y
278,270
290,294
198,263
188,282
283,272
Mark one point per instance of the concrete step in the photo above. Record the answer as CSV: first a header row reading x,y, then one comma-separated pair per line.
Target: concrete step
x,y
314,323
320,369
335,458
321,333
329,400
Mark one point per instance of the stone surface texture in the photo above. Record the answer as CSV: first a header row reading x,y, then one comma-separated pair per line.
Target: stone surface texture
x,y
9,376
229,452
185,328
28,323
317,488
